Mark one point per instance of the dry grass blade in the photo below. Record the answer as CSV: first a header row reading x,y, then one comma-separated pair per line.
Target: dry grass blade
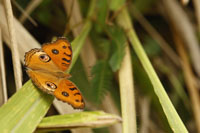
x,y
3,87
196,4
73,11
178,17
189,79
14,45
127,94
31,6
145,110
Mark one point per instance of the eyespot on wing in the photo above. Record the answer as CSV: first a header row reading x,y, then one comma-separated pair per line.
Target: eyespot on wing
x,y
37,59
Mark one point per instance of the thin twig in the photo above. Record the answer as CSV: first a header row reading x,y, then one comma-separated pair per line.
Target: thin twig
x,y
31,6
3,70
24,13
14,45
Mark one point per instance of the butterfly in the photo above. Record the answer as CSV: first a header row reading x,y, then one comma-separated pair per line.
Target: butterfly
x,y
46,67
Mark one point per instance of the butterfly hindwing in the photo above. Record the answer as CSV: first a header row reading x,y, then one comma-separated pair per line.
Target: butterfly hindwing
x,y
61,88
45,81
68,92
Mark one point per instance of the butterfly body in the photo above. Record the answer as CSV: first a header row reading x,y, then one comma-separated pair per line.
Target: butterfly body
x,y
46,68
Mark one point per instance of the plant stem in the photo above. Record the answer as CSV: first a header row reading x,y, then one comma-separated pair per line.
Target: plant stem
x,y
127,94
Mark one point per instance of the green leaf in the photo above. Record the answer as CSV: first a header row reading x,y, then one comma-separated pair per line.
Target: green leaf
x,y
82,119
24,110
101,81
101,45
118,47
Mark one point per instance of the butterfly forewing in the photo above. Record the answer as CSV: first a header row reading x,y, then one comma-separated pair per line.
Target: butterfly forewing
x,y
60,52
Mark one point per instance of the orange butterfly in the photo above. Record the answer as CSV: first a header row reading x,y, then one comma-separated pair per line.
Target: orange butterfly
x,y
46,68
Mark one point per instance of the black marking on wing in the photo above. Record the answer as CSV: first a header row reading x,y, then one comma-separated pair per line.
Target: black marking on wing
x,y
73,88
69,55
64,47
77,94
77,100
64,64
66,60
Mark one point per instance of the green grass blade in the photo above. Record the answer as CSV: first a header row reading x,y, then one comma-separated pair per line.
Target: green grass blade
x,y
24,110
82,119
173,118
78,43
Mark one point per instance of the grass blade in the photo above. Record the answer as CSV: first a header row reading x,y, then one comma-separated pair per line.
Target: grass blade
x,y
82,119
24,110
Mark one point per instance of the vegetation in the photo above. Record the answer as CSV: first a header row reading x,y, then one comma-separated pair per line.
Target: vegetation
x,y
135,61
